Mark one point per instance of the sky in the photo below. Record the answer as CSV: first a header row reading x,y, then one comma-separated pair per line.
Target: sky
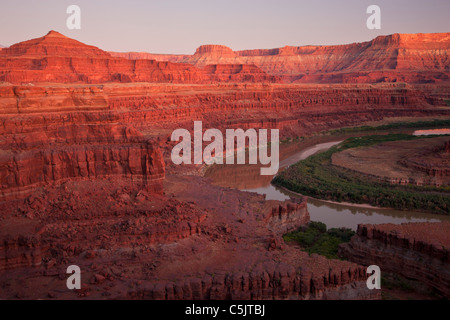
x,y
180,26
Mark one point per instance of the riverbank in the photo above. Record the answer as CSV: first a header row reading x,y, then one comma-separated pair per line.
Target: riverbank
x,y
347,204
317,177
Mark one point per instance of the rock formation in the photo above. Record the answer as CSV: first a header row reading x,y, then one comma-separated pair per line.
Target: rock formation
x,y
83,164
412,58
287,217
416,251
54,44
56,58
433,161
79,152
239,73
133,244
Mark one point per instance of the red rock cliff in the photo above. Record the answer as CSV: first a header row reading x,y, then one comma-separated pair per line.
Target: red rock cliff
x,y
38,157
413,58
51,133
239,73
56,58
414,250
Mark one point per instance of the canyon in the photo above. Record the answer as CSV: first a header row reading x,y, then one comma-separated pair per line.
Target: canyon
x,y
56,58
86,175
412,58
416,250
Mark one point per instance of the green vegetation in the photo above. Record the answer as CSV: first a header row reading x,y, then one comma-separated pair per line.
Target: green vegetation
x,y
432,124
317,177
314,238
447,102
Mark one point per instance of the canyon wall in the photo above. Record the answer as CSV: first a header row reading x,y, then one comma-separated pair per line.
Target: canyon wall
x,y
137,245
55,132
416,251
55,58
60,153
297,109
239,73
288,217
434,162
51,140
82,170
267,281
412,58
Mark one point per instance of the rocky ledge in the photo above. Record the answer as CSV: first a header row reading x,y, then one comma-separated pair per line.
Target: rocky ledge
x,y
417,251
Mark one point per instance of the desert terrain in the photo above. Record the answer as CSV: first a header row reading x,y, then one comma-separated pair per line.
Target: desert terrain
x,y
87,179
413,162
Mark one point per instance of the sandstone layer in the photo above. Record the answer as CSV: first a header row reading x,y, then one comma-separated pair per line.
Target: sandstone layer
x,y
54,133
133,244
86,176
55,58
413,58
416,251
297,109
82,176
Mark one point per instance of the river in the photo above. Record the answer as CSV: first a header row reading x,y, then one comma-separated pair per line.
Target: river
x,y
334,215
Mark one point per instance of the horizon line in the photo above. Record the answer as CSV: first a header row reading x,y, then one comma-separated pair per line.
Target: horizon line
x,y
217,44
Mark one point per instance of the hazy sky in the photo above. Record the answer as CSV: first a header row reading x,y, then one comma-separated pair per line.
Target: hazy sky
x,y
177,26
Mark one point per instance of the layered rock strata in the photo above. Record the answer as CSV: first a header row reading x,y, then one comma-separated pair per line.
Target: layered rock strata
x,y
416,251
412,58
83,176
67,152
55,58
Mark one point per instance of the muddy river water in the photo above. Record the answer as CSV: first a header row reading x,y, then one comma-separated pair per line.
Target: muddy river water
x,y
334,215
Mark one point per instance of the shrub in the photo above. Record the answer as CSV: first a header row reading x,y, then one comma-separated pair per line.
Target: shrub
x,y
314,238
